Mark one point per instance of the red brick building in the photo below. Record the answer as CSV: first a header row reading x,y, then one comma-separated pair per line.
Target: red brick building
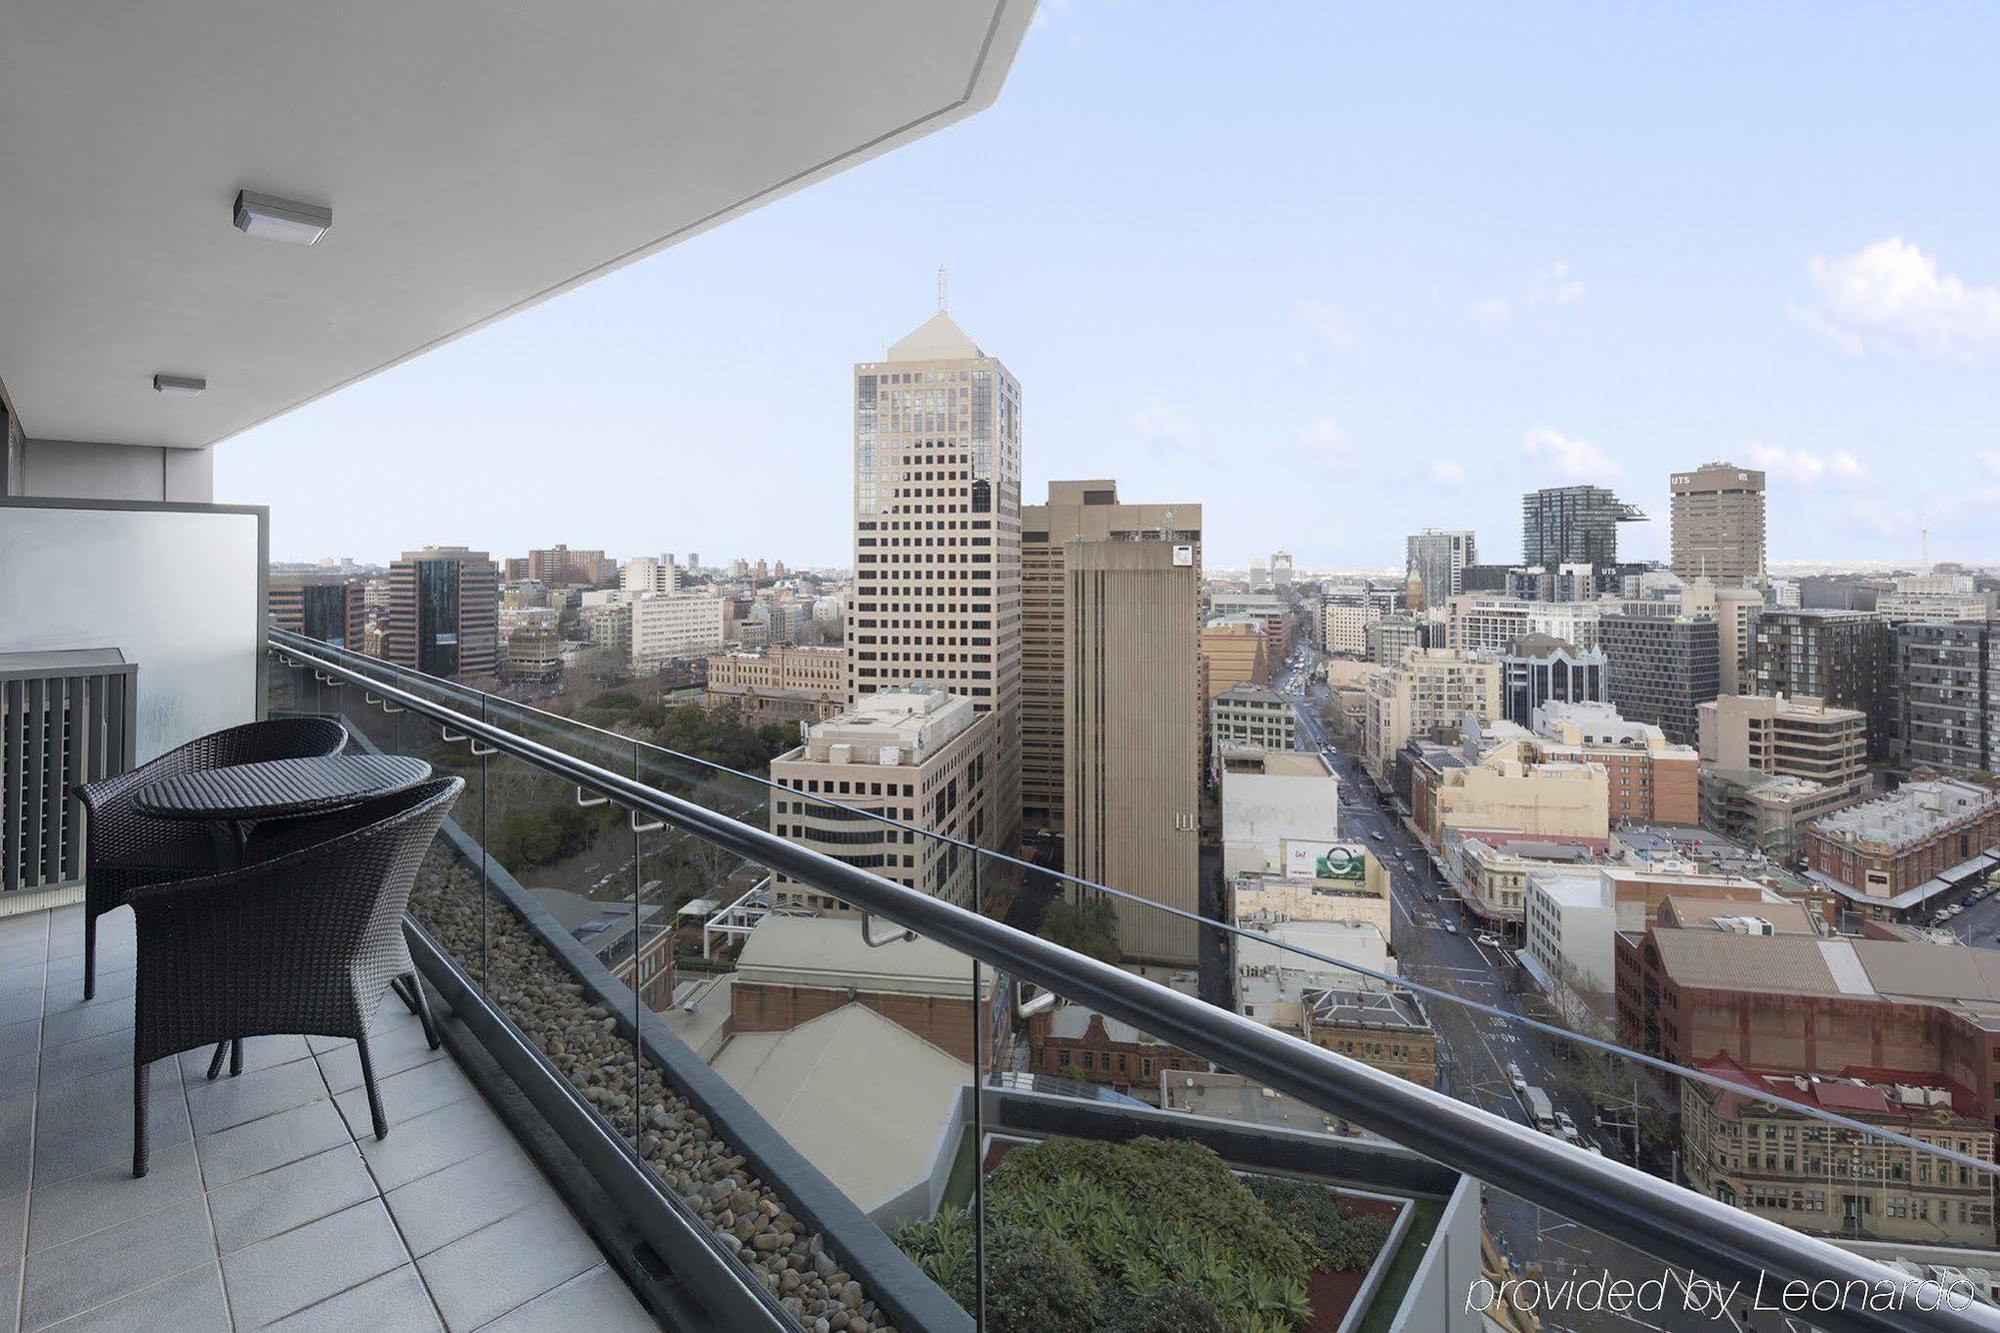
x,y
1071,1041
1886,847
1801,1002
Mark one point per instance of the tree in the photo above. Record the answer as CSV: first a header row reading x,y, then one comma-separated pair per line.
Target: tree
x,y
1087,924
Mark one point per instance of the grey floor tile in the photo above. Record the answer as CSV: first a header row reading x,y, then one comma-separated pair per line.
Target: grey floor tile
x,y
114,986
23,953
271,1142
89,1021
481,1277
321,1045
16,1038
302,1267
457,1201
10,1295
17,1073
19,1004
433,1141
258,1053
63,1211
190,1300
229,1102
17,1163
405,1095
105,1265
395,1301
401,1047
598,1300
264,1205
90,1055
87,1123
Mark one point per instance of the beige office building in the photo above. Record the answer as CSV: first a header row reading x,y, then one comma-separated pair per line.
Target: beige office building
x,y
937,541
1078,512
1132,734
915,755
1718,523
1790,738
1429,694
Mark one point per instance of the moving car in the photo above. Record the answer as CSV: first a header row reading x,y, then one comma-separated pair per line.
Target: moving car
x,y
1451,927
1567,1127
1514,1077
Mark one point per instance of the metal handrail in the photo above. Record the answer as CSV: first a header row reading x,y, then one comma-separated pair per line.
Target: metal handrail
x,y
1710,1238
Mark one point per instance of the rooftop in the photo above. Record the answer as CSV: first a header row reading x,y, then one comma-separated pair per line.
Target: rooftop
x,y
830,951
1914,812
904,727
1857,1090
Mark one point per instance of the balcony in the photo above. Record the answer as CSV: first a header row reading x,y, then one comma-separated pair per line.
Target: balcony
x,y
269,1199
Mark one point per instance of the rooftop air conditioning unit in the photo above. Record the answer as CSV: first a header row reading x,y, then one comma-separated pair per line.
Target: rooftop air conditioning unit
x,y
66,718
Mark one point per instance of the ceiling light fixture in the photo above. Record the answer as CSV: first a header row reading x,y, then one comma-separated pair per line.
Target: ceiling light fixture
x,y
179,386
277,219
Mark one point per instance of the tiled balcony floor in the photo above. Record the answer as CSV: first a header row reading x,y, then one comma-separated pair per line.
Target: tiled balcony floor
x,y
269,1201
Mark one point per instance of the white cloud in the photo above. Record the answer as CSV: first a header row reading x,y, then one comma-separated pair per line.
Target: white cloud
x,y
1892,297
1325,323
1805,468
1992,461
1446,473
1577,460
1163,427
1550,291
1324,435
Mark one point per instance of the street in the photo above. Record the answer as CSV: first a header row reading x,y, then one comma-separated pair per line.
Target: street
x,y
1474,1049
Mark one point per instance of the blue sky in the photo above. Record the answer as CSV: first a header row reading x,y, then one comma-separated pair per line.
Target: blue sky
x,y
1335,272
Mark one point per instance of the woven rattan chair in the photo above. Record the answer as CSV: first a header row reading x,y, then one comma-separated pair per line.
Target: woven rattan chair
x,y
125,849
307,941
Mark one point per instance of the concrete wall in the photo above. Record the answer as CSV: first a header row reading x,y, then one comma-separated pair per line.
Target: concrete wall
x,y
80,470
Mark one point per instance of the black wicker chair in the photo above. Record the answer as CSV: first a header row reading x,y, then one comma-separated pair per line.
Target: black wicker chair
x,y
307,941
125,849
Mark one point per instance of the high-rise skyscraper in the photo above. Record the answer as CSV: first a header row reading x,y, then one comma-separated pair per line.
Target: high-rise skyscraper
x,y
1573,525
1438,558
937,539
1718,523
1110,696
444,612
327,607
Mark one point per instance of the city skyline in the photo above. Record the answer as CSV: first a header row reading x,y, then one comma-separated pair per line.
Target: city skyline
x,y
1627,302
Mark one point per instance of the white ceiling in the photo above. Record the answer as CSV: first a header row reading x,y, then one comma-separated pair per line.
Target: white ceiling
x,y
478,155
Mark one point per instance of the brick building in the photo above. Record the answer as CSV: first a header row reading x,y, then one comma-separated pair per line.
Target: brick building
x,y
1882,850
1071,1041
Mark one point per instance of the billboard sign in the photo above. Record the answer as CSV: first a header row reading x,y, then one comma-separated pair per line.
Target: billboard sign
x,y
1343,861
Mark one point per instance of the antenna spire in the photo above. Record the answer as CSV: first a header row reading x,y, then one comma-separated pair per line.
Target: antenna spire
x,y
944,290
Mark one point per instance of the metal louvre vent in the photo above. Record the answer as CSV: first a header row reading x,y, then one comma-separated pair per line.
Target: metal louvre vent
x,y
66,718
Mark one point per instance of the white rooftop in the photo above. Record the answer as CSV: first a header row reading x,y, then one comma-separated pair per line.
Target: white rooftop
x,y
1912,813
936,339
859,1096
829,951
893,727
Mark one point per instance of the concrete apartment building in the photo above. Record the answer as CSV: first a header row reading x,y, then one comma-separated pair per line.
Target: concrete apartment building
x,y
1385,641
1764,813
1662,669
444,613
1272,797
1249,716
784,683
1793,1169
1429,694
1438,558
1131,747
1235,651
610,627
559,567
1649,779
1717,520
1794,738
1847,658
1734,611
1079,512
937,539
1494,623
1896,852
917,755
329,607
646,575
1948,683
1936,596
674,627
1347,610
1511,788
